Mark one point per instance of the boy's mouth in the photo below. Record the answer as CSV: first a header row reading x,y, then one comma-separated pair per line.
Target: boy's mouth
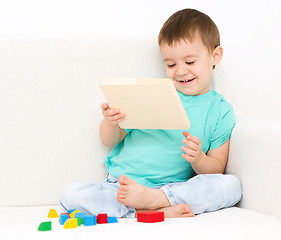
x,y
186,81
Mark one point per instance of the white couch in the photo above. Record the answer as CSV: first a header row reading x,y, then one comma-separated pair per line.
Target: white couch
x,y
49,117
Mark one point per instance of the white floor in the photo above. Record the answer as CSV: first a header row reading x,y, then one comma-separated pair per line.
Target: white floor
x,y
232,223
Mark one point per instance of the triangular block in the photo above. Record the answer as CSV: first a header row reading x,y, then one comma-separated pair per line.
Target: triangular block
x,y
53,214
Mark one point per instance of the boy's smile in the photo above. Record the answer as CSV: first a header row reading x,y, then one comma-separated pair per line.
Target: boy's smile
x,y
190,64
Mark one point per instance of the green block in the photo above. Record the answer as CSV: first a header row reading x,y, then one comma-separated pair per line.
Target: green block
x,y
45,226
79,221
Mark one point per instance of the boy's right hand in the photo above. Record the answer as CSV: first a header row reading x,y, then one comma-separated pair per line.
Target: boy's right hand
x,y
112,115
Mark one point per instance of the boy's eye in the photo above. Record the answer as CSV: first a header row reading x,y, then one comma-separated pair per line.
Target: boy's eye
x,y
190,63
171,65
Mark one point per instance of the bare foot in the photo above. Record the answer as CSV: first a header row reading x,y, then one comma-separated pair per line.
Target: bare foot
x,y
176,211
133,194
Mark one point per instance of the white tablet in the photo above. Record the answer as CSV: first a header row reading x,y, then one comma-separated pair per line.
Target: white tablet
x,y
148,103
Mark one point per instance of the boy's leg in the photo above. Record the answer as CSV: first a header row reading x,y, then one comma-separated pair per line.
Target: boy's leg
x,y
205,192
95,198
202,193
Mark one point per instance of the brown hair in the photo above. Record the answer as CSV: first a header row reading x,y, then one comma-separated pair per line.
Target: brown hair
x,y
185,24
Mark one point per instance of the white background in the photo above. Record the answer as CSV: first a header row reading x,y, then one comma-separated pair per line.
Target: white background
x,y
250,34
54,52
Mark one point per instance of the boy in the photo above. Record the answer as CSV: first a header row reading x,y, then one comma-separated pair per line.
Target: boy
x,y
154,170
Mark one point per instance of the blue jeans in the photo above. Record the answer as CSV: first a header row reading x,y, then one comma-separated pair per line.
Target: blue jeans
x,y
203,193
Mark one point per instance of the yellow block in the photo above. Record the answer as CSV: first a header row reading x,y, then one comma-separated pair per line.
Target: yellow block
x,y
71,223
72,215
53,214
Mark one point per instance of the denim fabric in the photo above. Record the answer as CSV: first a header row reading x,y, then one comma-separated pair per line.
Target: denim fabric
x,y
203,193
94,198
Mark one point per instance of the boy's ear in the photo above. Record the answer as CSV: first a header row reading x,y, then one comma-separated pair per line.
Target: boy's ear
x,y
217,55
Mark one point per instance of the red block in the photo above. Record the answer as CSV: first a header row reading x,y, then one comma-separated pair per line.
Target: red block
x,y
150,217
102,218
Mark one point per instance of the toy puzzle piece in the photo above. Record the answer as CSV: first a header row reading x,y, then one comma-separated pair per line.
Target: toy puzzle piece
x,y
150,217
71,223
53,214
112,220
79,221
45,226
90,220
102,218
72,214
80,215
64,217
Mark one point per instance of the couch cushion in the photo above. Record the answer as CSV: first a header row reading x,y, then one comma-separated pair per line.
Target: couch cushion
x,y
254,157
233,223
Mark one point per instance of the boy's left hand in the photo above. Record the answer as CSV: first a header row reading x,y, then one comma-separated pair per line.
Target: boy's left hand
x,y
192,150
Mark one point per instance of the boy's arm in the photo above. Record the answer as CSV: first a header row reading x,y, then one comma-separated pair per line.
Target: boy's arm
x,y
110,132
215,160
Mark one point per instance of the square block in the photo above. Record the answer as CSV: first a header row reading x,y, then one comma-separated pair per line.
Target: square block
x,y
90,220
150,217
102,218
64,217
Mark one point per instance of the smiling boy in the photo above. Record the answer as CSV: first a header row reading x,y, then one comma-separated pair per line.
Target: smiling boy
x,y
190,45
179,173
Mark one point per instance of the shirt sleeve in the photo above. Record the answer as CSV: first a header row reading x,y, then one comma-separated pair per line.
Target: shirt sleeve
x,y
224,127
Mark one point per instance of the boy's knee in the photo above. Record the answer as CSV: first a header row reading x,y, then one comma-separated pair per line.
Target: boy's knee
x,y
69,196
233,184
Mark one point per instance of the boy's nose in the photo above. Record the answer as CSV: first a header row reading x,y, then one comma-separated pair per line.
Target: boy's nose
x,y
181,71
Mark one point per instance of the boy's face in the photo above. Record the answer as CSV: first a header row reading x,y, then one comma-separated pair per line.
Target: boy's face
x,y
190,64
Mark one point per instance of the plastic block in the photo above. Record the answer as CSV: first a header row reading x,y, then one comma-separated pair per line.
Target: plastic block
x,y
72,215
80,215
112,220
45,226
71,223
53,214
79,221
150,217
90,220
102,218
64,217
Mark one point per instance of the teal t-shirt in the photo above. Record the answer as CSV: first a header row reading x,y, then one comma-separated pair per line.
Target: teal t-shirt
x,y
152,157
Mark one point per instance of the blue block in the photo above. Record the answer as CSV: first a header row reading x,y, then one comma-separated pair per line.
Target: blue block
x,y
112,220
63,218
90,220
80,215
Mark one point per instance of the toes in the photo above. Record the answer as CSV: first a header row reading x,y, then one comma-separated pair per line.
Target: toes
x,y
186,208
124,180
123,189
120,197
190,214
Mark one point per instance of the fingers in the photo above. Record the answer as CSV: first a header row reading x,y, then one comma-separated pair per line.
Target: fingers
x,y
113,115
189,137
192,147
104,106
190,144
